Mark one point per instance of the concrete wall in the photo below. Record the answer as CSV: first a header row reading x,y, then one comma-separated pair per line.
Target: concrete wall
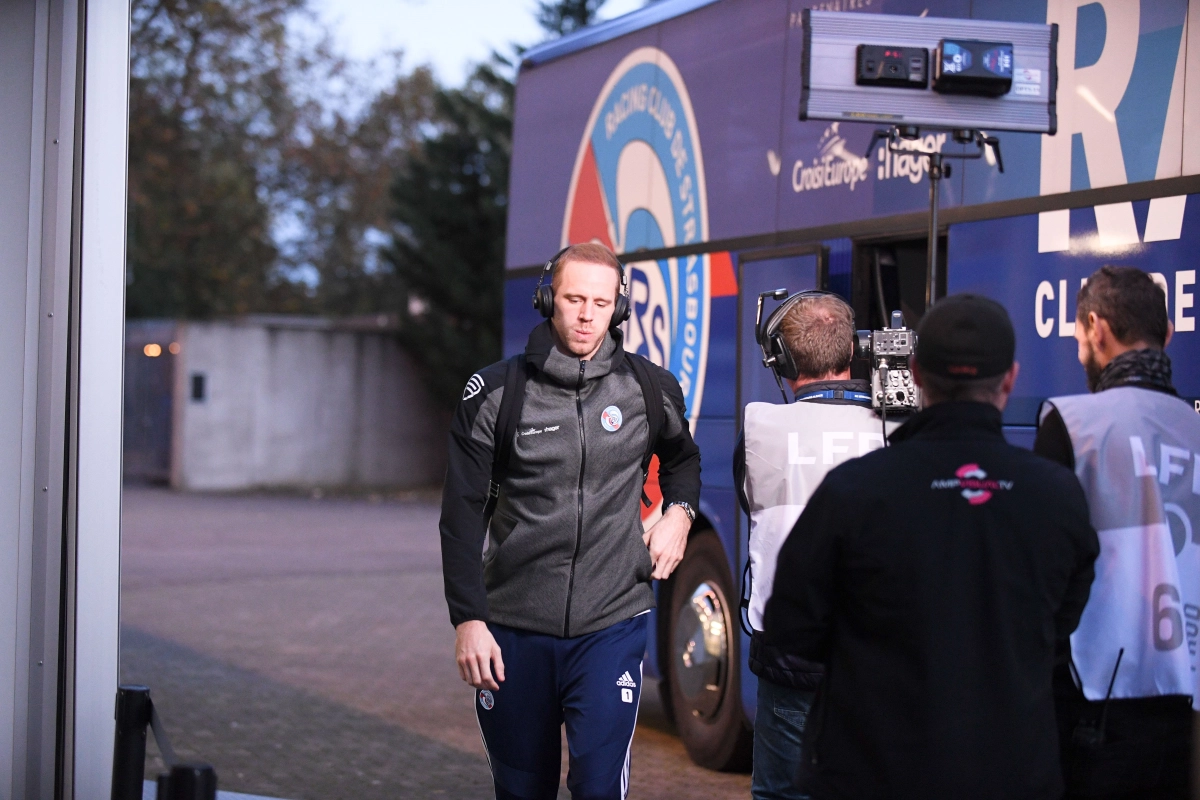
x,y
300,402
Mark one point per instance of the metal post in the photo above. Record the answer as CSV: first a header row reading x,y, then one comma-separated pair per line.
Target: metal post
x,y
935,177
189,782
129,750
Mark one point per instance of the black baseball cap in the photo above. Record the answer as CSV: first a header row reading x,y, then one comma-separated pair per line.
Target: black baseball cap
x,y
965,336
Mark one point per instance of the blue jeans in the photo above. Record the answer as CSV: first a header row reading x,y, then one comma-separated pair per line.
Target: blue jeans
x,y
778,731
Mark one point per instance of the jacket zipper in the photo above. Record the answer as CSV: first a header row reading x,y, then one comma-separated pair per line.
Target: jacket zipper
x,y
578,500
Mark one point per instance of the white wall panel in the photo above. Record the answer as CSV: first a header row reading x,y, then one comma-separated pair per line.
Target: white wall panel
x,y
101,350
17,59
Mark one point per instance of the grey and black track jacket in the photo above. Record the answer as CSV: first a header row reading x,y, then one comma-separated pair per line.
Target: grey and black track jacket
x,y
565,556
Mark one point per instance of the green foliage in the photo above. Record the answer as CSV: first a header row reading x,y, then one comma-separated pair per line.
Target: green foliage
x,y
448,249
207,108
345,171
566,16
269,175
252,187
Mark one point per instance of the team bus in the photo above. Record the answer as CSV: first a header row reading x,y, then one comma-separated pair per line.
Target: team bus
x,y
672,135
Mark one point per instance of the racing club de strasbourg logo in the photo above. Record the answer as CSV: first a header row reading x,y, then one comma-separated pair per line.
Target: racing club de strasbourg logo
x,y
638,182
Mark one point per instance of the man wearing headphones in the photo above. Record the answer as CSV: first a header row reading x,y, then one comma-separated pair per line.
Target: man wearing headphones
x,y
548,455
782,458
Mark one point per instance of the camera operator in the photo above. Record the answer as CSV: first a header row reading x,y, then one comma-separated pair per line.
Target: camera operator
x,y
933,578
1134,446
779,462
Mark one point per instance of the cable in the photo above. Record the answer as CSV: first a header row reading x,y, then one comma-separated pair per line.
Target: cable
x,y
744,604
883,380
883,420
779,383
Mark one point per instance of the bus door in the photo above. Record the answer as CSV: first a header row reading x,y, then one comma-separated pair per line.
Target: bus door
x,y
890,275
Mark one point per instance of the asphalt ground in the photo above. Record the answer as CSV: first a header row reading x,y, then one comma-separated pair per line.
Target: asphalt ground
x,y
302,646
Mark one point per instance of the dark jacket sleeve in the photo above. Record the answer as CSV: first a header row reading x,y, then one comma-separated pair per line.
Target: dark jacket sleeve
x,y
678,455
798,617
468,473
1053,441
739,472
1087,548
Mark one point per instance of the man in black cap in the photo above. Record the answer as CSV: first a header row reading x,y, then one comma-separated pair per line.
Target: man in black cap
x,y
933,578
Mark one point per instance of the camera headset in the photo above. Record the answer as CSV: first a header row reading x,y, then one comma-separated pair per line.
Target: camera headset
x,y
775,353
543,295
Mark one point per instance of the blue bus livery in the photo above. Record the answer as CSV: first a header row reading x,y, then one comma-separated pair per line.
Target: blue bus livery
x,y
671,135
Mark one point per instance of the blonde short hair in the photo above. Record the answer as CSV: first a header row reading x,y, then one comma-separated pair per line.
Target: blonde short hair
x,y
819,333
587,252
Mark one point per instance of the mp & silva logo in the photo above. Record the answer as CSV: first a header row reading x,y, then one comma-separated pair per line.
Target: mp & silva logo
x,y
638,182
975,485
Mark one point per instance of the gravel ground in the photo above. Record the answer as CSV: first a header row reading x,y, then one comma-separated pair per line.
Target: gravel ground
x,y
302,646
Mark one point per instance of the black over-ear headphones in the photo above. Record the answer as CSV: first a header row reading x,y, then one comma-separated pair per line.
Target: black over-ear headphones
x,y
776,355
543,295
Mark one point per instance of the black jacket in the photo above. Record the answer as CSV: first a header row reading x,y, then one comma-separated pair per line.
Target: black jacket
x,y
933,578
767,662
565,554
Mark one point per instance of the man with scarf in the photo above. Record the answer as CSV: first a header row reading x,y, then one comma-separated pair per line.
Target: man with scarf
x,y
1125,689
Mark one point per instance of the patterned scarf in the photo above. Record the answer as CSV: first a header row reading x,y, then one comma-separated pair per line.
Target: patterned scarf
x,y
1148,369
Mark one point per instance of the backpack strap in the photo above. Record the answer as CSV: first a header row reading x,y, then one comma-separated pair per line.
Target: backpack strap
x,y
652,394
507,418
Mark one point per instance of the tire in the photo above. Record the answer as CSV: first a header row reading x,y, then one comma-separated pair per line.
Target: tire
x,y
702,659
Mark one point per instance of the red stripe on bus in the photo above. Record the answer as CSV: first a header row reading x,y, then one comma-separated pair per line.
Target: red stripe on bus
x,y
722,281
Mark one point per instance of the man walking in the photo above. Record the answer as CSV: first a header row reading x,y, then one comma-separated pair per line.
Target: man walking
x,y
785,452
1125,705
932,578
547,458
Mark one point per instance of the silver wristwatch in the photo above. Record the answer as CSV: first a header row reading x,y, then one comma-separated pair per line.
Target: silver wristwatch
x,y
687,509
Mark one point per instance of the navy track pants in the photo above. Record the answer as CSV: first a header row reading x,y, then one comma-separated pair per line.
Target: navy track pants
x,y
592,683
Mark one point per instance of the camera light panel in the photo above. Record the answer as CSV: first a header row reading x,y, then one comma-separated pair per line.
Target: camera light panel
x,y
986,75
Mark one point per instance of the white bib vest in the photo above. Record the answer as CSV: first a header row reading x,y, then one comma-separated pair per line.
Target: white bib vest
x,y
789,450
1137,454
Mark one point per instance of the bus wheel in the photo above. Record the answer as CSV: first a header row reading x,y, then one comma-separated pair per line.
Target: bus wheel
x,y
702,673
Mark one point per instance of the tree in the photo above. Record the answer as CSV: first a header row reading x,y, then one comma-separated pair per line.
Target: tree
x,y
344,172
566,16
451,204
260,162
447,254
208,111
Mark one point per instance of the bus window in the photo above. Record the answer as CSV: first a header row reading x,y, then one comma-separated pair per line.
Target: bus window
x,y
795,273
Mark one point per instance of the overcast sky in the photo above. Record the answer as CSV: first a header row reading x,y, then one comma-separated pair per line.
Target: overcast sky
x,y
449,34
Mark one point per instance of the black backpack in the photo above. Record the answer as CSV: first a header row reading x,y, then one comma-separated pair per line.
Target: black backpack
x,y
517,375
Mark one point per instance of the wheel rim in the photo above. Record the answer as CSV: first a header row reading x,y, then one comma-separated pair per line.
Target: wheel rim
x,y
701,649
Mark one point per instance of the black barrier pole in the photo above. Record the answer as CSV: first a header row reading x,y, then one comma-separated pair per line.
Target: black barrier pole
x,y
188,782
936,172
129,750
